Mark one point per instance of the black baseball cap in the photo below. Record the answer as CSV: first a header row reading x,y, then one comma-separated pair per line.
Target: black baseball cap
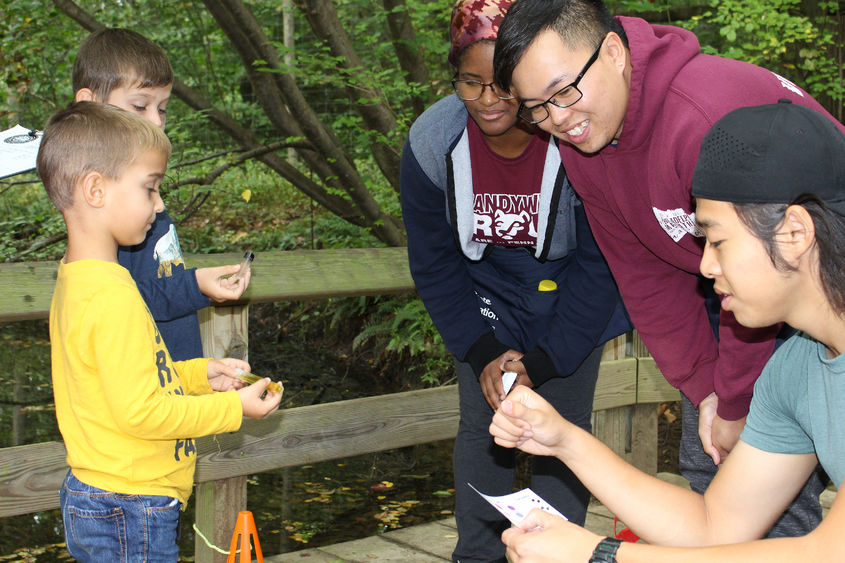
x,y
772,154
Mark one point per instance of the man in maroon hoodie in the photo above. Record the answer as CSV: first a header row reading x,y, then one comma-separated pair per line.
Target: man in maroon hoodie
x,y
631,102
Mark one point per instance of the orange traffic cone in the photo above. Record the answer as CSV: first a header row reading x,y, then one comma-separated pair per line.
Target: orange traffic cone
x,y
245,530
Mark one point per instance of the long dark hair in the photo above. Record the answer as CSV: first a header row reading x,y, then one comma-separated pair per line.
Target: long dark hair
x,y
763,221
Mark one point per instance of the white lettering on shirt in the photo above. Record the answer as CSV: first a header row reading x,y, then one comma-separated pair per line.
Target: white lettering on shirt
x,y
677,223
788,84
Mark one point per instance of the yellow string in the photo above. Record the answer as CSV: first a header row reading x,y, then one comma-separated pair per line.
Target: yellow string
x,y
209,544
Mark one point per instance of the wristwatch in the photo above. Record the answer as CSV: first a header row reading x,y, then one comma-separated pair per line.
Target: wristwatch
x,y
605,551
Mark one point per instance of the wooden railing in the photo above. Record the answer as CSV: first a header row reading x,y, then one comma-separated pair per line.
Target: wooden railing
x,y
30,476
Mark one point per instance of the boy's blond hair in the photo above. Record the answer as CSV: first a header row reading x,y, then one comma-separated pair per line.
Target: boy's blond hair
x,y
92,137
110,58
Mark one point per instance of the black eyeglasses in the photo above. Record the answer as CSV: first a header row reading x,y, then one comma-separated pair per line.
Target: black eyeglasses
x,y
563,98
471,90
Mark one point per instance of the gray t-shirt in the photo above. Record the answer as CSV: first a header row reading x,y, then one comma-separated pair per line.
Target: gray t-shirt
x,y
799,405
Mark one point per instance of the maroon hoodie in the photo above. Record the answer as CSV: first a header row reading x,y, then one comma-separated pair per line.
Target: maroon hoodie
x,y
637,198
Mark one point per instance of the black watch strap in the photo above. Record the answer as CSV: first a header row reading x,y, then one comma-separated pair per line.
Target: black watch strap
x,y
605,551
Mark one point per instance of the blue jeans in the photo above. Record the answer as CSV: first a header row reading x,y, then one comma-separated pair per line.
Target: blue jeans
x,y
105,526
490,468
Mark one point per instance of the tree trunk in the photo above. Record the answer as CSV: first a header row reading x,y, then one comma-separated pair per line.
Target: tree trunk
x,y
342,191
404,41
369,103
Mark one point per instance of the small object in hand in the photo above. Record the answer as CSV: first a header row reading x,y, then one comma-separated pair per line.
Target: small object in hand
x,y
245,265
251,378
508,379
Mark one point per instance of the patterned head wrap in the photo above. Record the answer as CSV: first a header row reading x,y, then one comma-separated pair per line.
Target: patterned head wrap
x,y
473,20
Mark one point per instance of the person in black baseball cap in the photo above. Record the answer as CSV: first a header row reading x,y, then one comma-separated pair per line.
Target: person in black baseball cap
x,y
770,189
772,154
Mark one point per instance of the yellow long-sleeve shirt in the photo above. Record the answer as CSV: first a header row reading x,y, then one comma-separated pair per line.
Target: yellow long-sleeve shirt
x,y
127,413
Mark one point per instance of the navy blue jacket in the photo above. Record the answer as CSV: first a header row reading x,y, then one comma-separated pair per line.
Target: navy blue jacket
x,y
484,299
169,289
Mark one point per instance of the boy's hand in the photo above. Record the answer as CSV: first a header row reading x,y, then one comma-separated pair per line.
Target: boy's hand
x,y
256,407
217,283
222,374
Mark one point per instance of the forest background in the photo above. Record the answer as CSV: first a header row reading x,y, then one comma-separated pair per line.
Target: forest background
x,y
288,119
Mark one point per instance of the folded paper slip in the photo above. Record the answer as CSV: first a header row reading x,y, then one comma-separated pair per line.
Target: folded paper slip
x,y
18,150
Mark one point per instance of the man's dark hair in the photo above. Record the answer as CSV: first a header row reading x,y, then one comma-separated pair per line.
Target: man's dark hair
x,y
764,220
580,23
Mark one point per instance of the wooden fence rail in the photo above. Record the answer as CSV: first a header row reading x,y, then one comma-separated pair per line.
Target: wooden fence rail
x,y
30,476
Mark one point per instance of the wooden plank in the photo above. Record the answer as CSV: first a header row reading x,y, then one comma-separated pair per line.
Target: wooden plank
x,y
643,446
304,435
27,289
30,477
638,348
319,274
617,384
276,276
435,538
611,427
616,349
377,548
652,387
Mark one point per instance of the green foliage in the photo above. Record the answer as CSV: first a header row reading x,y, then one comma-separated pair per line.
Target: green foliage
x,y
778,35
28,221
29,91
401,327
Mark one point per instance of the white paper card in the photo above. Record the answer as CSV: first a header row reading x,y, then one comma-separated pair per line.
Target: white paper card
x,y
516,506
508,379
18,150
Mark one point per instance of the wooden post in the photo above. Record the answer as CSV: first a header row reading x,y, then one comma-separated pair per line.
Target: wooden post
x,y
631,430
610,425
652,389
217,507
643,437
225,333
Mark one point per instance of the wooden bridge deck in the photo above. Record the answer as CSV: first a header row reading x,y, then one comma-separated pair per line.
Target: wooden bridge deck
x,y
436,540
426,542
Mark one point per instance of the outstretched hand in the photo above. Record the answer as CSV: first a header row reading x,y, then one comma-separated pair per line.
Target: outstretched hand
x,y
527,421
218,283
542,537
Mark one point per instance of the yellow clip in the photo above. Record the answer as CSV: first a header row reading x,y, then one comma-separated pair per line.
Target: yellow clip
x,y
547,285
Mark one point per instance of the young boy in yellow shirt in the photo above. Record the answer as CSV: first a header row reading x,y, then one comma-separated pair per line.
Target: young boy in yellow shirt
x,y
128,414
123,68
